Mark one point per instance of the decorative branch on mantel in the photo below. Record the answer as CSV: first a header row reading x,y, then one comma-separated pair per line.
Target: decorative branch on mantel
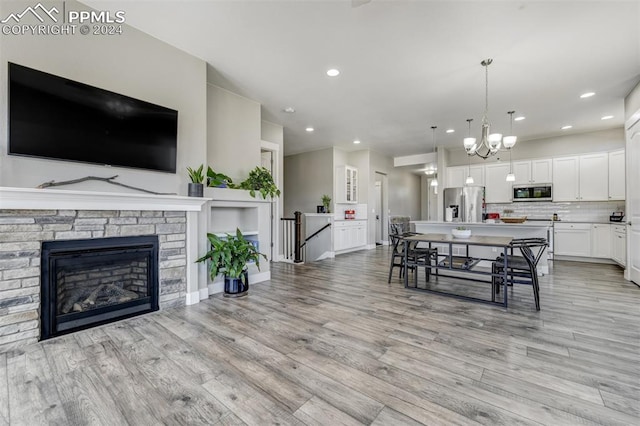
x,y
102,179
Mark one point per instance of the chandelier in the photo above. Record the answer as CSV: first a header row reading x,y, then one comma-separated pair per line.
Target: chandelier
x,y
490,143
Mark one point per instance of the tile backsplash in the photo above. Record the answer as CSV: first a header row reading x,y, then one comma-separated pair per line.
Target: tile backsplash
x,y
569,211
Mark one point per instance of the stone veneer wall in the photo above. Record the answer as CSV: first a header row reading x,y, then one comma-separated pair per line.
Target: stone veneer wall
x,y
23,231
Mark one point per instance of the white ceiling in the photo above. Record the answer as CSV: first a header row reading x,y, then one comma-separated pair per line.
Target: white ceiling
x,y
408,65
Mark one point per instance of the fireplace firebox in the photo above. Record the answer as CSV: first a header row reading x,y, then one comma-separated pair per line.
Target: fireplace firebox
x,y
86,283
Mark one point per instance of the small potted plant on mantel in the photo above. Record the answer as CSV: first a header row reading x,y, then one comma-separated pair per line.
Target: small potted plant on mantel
x,y
229,256
196,188
260,180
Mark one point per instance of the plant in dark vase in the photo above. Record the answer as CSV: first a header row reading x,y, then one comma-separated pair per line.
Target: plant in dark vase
x,y
326,201
260,180
229,256
218,180
196,187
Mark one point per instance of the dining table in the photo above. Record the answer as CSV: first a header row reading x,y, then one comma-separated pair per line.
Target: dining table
x,y
465,266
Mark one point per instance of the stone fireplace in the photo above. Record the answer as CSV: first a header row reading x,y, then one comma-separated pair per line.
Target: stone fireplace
x,y
85,283
33,221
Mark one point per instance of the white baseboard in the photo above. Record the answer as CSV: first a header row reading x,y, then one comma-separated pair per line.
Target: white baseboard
x,y
193,298
204,293
371,246
326,255
584,259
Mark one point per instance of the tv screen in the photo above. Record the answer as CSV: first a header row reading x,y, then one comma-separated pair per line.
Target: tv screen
x,y
53,117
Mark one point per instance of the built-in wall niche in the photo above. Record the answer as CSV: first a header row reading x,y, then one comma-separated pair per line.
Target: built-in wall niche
x,y
225,220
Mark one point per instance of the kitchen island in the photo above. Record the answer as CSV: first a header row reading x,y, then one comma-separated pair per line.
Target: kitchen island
x,y
528,229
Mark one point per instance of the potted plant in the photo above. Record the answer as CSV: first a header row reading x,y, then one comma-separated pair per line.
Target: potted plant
x,y
218,180
461,232
326,200
195,188
260,179
229,256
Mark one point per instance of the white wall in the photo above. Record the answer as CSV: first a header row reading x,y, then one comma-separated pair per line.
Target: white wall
x,y
233,133
134,64
307,176
573,144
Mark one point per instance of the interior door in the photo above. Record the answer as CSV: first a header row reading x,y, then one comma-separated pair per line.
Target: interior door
x,y
633,197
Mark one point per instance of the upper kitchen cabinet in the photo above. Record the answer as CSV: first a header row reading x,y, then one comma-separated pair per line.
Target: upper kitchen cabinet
x,y
594,177
581,178
497,189
533,171
457,176
346,185
617,175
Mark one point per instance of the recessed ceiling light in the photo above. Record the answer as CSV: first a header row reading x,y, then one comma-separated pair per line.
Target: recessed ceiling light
x,y
289,110
356,141
309,129
333,72
607,117
566,127
587,95
450,130
519,118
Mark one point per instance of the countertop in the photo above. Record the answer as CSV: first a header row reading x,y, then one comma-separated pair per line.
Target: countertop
x,y
538,224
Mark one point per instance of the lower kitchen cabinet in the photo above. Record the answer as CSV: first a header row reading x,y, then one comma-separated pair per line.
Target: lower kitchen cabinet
x,y
349,235
601,240
572,239
619,244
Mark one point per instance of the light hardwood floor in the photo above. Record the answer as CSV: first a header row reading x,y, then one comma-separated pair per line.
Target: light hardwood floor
x,y
332,343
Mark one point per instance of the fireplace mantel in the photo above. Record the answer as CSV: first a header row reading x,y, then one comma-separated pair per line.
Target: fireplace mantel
x,y
61,199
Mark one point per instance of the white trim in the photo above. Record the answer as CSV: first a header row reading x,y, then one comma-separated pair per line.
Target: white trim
x,y
371,246
193,298
61,199
270,146
228,194
203,293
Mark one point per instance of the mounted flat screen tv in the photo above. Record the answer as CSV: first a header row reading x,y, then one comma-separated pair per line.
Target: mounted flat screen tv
x,y
56,118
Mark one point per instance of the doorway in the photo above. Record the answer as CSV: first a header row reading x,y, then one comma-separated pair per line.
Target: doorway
x,y
633,198
266,161
380,209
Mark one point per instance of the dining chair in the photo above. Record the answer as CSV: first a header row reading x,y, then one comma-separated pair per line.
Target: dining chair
x,y
520,269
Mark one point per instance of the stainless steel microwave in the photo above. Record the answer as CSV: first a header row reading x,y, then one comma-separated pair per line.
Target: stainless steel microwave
x,y
541,192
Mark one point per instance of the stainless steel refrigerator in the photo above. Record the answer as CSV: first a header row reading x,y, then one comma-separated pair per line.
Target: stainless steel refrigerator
x,y
464,204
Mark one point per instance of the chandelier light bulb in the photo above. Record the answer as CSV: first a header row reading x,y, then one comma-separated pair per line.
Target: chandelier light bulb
x,y
469,143
511,177
434,182
509,141
469,180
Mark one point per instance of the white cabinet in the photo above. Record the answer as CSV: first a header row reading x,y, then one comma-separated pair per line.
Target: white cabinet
x,y
601,240
349,235
572,239
619,244
346,185
594,177
457,176
566,174
617,175
581,178
542,170
497,189
533,171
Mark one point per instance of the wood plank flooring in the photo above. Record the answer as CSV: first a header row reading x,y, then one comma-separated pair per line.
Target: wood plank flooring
x,y
331,343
